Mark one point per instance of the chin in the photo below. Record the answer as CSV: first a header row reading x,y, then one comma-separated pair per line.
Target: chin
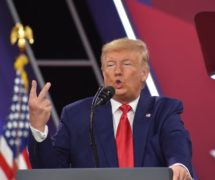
x,y
120,92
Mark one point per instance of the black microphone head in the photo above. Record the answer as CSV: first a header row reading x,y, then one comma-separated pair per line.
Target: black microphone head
x,y
105,95
110,91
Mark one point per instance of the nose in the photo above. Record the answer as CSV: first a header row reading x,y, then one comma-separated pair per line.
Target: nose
x,y
118,69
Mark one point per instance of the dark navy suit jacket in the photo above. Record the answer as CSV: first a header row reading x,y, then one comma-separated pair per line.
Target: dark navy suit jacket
x,y
160,138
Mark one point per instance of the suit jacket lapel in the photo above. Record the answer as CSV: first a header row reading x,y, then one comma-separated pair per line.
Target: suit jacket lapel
x,y
141,126
105,133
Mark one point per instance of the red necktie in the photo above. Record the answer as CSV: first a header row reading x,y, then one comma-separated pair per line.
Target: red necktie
x,y
124,140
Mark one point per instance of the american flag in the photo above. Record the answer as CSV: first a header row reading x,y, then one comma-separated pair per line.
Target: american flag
x,y
13,141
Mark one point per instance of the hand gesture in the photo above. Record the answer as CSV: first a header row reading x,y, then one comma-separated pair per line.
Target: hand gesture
x,y
39,106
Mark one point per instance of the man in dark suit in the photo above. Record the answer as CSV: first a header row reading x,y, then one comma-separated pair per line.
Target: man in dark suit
x,y
132,130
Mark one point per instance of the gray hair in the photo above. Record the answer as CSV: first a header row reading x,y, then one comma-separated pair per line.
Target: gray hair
x,y
127,44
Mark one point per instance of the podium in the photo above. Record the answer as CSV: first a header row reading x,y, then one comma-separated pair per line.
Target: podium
x,y
96,174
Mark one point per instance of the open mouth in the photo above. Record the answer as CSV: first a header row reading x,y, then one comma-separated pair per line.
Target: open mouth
x,y
118,84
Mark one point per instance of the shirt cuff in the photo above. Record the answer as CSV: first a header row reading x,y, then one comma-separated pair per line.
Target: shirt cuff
x,y
179,164
38,135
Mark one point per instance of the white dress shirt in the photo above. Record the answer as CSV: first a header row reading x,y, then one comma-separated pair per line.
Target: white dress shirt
x,y
117,113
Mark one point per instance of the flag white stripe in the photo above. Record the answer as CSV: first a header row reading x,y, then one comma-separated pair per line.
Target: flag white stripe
x,y
6,151
21,163
2,175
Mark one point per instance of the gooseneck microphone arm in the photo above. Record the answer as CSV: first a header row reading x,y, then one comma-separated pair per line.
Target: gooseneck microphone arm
x,y
102,96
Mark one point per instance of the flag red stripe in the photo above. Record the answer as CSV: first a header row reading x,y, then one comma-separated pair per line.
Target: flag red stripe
x,y
7,170
15,167
26,157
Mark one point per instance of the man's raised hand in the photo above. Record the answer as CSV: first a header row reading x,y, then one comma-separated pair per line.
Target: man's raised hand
x,y
39,106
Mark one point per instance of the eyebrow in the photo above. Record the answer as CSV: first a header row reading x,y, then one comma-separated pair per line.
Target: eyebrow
x,y
123,60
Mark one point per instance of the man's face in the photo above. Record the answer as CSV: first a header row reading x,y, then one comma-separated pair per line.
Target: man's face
x,y
124,71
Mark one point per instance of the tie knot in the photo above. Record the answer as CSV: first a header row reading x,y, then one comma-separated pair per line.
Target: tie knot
x,y
125,108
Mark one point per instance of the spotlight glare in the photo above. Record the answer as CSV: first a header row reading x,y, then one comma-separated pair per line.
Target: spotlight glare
x,y
213,76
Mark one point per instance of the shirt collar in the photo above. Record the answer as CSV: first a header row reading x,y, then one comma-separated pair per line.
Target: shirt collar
x,y
115,104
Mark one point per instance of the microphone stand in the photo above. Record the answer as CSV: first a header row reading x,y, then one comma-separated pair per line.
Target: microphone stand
x,y
102,96
91,130
92,137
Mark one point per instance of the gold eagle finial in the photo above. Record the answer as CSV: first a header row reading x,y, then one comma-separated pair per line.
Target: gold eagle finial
x,y
19,34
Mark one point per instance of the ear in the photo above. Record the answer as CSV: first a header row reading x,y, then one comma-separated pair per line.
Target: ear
x,y
145,73
102,71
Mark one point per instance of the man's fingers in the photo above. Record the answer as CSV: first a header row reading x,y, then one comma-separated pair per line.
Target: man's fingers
x,y
33,91
180,173
44,91
175,176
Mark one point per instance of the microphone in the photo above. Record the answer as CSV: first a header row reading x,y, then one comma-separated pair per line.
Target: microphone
x,y
102,96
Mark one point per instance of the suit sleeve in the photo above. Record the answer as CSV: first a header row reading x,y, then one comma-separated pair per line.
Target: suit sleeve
x,y
174,138
52,152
